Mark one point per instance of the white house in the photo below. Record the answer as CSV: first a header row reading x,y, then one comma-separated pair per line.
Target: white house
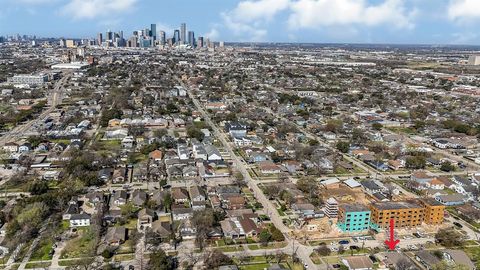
x,y
212,153
10,147
128,142
80,220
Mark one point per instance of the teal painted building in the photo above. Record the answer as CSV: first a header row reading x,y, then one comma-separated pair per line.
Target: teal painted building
x,y
354,218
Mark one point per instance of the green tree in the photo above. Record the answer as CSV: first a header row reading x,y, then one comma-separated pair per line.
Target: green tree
x,y
264,237
377,126
167,202
343,146
277,235
323,250
38,187
194,132
109,114
449,238
415,162
447,166
159,260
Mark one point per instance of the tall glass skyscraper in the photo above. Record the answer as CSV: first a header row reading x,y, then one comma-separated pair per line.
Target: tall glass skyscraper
x,y
191,39
153,30
183,30
176,37
163,38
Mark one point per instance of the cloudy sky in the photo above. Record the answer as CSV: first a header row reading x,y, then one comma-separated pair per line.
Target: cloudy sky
x,y
356,21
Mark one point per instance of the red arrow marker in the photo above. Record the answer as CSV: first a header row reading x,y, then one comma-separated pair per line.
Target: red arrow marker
x,y
391,243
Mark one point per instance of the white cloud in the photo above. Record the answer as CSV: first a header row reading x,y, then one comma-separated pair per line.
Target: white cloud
x,y
244,31
318,13
248,20
213,34
34,2
88,9
248,11
461,10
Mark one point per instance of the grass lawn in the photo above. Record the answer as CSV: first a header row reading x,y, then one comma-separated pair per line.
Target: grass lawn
x,y
110,145
85,261
23,251
259,266
471,243
269,246
123,257
32,265
42,250
474,254
127,247
81,246
315,258
340,170
131,224
230,248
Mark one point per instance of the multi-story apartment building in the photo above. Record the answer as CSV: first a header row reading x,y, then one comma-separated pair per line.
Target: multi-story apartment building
x,y
331,208
353,218
28,79
434,211
405,214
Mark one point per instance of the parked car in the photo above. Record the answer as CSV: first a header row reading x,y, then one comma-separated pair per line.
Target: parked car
x,y
343,242
457,224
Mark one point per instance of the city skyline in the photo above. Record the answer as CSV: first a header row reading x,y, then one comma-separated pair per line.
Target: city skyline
x,y
310,21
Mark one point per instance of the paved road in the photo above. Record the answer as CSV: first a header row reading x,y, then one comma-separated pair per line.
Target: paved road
x,y
302,252
54,99
58,252
35,242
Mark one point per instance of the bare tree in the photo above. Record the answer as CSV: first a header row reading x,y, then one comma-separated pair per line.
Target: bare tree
x,y
280,256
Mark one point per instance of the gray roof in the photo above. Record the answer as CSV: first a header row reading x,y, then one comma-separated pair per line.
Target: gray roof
x,y
427,257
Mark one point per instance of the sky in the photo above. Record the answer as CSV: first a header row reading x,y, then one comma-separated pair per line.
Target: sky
x,y
316,21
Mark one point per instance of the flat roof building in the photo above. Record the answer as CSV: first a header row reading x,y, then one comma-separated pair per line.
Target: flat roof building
x,y
28,79
434,211
405,214
353,218
73,65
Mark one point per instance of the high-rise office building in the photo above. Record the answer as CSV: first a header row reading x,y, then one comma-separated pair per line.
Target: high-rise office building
x,y
163,38
176,37
191,39
100,39
132,42
109,35
200,42
183,32
153,29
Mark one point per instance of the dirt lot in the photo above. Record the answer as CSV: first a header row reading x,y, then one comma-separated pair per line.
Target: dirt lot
x,y
345,195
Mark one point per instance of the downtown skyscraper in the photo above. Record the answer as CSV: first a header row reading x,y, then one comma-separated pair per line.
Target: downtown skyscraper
x,y
150,37
183,33
153,32
191,39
